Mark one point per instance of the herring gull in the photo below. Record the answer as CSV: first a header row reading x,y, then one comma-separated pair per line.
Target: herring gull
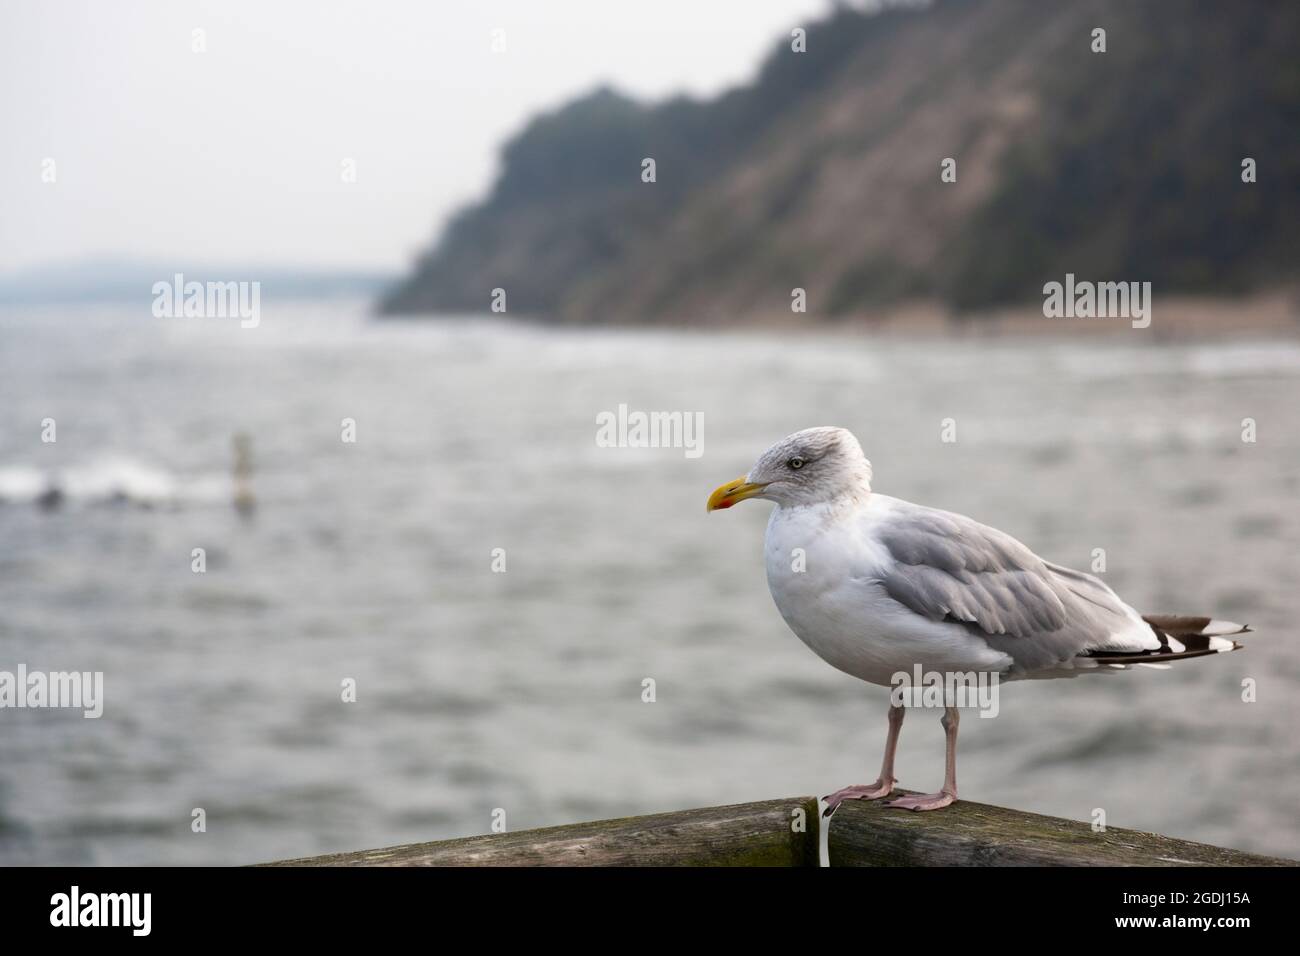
x,y
881,586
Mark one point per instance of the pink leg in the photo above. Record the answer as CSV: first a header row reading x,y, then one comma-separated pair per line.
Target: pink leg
x,y
884,784
934,801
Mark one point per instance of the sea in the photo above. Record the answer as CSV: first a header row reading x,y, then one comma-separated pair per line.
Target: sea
x,y
449,603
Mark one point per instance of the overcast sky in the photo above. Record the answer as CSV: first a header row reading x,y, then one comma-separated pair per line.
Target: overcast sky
x,y
235,155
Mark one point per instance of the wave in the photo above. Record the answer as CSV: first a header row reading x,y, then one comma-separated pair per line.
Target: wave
x,y
112,480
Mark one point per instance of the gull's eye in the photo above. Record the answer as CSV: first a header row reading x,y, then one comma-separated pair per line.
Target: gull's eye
x,y
796,462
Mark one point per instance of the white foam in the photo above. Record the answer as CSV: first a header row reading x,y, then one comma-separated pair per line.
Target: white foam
x,y
21,483
109,479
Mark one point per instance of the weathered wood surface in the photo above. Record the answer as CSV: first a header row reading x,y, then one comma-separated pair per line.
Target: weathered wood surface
x,y
748,834
867,833
861,833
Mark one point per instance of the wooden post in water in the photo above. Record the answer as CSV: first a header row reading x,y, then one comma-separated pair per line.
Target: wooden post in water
x,y
245,500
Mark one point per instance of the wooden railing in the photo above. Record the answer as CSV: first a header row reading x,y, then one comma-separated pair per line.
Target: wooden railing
x,y
787,833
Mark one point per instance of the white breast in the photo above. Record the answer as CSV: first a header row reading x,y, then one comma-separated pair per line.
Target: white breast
x,y
838,606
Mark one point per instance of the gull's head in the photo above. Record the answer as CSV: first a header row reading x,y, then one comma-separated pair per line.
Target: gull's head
x,y
810,467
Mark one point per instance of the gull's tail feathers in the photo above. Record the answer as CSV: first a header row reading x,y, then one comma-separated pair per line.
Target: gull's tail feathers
x,y
1180,637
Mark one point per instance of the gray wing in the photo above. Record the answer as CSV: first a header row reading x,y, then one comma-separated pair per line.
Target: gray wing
x,y
949,567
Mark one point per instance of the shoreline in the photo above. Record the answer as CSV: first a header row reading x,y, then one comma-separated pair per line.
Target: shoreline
x,y
1273,314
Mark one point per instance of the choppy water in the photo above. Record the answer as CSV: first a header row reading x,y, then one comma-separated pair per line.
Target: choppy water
x,y
522,690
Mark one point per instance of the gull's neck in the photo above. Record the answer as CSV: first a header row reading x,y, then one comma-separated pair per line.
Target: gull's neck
x,y
852,497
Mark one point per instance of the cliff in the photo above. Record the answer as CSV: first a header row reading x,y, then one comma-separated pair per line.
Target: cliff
x,y
825,172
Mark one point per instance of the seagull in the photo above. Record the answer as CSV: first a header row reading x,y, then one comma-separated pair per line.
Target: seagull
x,y
878,587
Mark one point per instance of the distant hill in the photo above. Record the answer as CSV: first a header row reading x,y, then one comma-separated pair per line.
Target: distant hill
x,y
120,280
825,172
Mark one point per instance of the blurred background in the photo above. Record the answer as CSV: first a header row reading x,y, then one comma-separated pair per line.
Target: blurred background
x,y
379,169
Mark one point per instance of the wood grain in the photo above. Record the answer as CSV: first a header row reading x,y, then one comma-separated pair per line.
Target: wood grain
x,y
747,834
861,833
867,833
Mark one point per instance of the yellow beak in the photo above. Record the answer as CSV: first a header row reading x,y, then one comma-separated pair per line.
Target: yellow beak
x,y
733,491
